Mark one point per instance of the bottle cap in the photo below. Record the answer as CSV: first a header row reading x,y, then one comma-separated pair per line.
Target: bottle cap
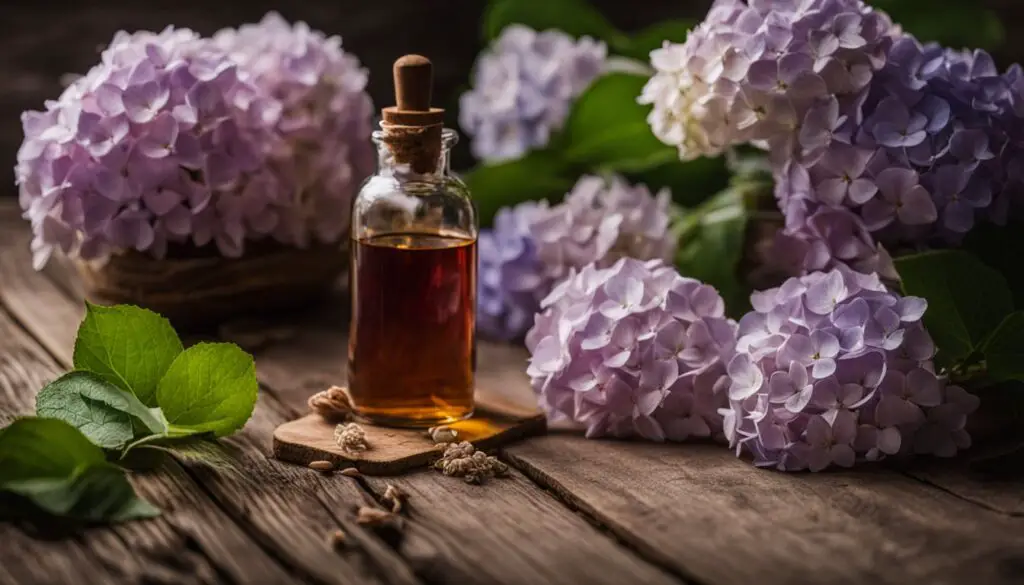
x,y
414,79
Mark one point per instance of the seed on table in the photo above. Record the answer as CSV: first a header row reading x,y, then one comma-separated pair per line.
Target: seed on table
x,y
322,465
350,472
336,539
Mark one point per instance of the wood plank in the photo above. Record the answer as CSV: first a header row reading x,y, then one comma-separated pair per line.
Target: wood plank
x,y
165,549
712,516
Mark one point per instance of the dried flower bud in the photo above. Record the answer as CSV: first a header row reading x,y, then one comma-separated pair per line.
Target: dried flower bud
x,y
324,466
463,460
332,404
351,437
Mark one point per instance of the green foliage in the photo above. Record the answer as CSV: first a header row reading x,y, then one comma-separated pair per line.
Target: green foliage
x,y
1004,352
953,23
104,413
606,130
210,388
133,385
59,472
127,346
538,175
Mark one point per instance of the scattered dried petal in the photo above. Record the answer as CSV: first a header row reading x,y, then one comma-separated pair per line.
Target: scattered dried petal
x,y
351,437
332,404
322,465
396,497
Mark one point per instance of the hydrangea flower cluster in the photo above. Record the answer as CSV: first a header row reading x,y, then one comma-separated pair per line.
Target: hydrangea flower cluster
x,y
633,350
172,140
523,88
325,119
754,69
832,368
533,246
913,160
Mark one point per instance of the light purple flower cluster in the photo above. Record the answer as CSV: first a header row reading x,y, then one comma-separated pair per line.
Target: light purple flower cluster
x,y
171,140
523,88
831,368
754,69
913,160
325,119
633,350
533,246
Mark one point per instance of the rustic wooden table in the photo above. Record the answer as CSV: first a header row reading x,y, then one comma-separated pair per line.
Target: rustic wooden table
x,y
573,511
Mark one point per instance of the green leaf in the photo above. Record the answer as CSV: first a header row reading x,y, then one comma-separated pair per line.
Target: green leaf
x,y
103,412
1000,246
967,299
574,17
608,129
711,241
210,387
691,182
538,175
1004,352
127,346
58,470
652,37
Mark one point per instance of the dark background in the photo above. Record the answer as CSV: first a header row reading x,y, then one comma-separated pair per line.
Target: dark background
x,y
42,40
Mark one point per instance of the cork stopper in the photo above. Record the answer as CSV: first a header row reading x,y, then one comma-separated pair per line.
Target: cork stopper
x,y
412,129
414,81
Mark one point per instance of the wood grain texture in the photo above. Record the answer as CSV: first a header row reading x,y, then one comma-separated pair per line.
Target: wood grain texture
x,y
700,511
169,549
393,451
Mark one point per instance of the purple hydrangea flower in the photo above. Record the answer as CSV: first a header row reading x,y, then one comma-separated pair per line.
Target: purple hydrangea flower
x,y
533,246
174,140
523,88
326,119
754,71
832,368
632,350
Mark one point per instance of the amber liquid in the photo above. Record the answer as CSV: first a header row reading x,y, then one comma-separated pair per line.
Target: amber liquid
x,y
412,352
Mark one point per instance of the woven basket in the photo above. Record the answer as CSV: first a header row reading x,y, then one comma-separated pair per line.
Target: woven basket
x,y
197,289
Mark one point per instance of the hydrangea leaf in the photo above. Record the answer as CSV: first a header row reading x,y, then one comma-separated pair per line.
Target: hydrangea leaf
x,y
538,175
653,37
127,346
1000,246
104,413
210,387
1004,352
59,471
574,17
967,300
946,26
711,242
608,129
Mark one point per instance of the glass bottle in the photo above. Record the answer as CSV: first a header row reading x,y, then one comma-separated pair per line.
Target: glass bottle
x,y
412,346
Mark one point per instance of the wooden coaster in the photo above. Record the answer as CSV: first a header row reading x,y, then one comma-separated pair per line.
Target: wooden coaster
x,y
392,451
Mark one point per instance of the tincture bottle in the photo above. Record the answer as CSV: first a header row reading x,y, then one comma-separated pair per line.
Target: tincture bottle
x,y
412,352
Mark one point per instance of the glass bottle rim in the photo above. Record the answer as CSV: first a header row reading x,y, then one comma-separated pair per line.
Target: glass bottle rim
x,y
449,137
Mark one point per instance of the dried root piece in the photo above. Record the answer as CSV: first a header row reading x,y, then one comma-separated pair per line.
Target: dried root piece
x,y
323,466
351,437
442,434
395,497
463,460
336,539
333,404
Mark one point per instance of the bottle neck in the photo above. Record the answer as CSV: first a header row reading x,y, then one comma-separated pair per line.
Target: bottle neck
x,y
412,156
